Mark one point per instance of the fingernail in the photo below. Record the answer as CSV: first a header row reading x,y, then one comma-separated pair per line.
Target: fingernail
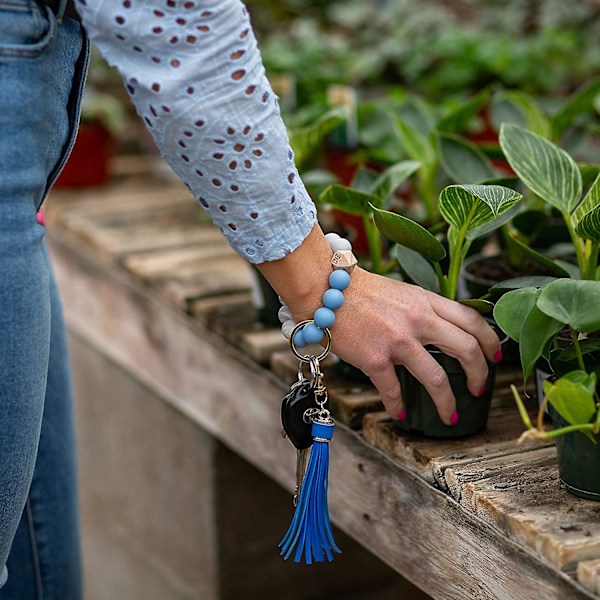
x,y
498,356
482,390
39,217
454,418
402,415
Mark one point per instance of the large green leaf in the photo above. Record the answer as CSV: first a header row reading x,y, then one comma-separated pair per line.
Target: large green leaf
x,y
575,303
470,206
572,396
545,168
512,309
419,269
306,140
463,161
347,199
406,232
586,217
417,146
537,332
483,307
519,108
582,100
387,183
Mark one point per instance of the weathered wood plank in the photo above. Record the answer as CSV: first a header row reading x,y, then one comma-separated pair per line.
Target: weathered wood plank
x,y
588,574
134,232
528,505
431,457
419,531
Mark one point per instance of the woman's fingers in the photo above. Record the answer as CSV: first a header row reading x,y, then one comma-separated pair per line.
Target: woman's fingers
x,y
433,377
461,345
386,381
469,320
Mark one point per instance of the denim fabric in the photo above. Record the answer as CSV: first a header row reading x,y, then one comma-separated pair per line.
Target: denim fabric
x,y
40,63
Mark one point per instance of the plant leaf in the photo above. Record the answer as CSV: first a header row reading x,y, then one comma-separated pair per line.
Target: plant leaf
x,y
306,140
537,257
572,397
406,232
458,119
483,307
463,161
582,100
347,199
586,217
417,146
545,168
537,331
519,108
512,309
419,269
517,283
487,228
470,206
573,302
387,183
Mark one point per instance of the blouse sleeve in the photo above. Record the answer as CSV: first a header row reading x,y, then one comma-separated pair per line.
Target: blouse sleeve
x,y
194,73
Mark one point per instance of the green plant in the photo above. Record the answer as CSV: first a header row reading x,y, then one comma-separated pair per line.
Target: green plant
x,y
554,177
535,317
471,211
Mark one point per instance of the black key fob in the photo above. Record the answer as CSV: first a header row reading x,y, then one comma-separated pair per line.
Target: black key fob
x,y
300,398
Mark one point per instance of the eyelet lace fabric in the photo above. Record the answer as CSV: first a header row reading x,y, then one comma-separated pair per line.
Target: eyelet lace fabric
x,y
194,73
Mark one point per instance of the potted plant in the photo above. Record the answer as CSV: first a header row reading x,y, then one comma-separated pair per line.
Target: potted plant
x,y
470,211
535,317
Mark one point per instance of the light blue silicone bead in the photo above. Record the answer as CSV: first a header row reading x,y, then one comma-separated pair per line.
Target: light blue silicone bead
x,y
339,280
312,334
333,298
324,317
299,340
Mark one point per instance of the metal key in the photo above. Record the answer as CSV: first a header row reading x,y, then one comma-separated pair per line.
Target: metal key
x,y
301,463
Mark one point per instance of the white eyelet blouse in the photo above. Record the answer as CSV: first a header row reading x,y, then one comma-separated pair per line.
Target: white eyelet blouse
x,y
194,73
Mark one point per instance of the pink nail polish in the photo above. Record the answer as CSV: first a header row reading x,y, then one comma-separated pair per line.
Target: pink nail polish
x,y
482,390
402,415
454,418
498,356
39,217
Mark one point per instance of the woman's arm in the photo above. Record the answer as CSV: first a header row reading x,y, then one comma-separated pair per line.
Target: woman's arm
x,y
195,76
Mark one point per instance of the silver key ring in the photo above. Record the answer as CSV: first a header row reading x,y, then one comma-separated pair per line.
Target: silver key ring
x,y
307,357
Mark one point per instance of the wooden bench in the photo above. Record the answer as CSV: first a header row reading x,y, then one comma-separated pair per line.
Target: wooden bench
x,y
145,277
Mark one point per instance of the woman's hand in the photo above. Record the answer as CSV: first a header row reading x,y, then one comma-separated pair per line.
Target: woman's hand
x,y
384,322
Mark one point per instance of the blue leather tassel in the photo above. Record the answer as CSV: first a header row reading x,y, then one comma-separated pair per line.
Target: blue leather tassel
x,y
310,532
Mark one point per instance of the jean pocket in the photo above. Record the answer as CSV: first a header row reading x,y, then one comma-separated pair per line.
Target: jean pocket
x,y
27,28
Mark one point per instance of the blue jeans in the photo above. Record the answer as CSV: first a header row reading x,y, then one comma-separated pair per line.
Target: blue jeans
x,y
42,66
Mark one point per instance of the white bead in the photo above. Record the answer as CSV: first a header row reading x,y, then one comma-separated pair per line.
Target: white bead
x,y
340,244
281,300
288,327
284,313
332,238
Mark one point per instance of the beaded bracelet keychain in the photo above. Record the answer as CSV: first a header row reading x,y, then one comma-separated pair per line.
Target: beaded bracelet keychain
x,y
307,421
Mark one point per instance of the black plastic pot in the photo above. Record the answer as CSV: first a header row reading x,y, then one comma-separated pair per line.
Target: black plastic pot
x,y
578,461
422,415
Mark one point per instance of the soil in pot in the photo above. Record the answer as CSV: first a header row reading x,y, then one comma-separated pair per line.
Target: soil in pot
x,y
422,415
480,272
578,461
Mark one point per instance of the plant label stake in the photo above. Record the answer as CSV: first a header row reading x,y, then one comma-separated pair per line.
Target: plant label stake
x,y
308,424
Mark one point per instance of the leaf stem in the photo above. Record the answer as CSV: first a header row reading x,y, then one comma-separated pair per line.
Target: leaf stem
x,y
581,262
577,347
